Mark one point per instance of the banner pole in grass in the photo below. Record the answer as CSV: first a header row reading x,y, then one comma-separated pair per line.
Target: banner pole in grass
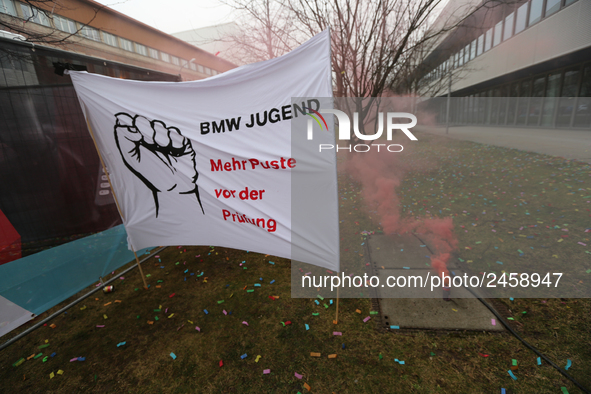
x,y
336,320
137,260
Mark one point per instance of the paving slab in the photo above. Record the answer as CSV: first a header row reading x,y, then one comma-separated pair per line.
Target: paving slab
x,y
416,306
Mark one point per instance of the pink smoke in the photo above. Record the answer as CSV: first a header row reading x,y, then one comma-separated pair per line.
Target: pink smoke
x,y
380,173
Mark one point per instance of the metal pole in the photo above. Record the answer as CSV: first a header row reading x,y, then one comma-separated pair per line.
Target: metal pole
x,y
447,110
42,322
112,189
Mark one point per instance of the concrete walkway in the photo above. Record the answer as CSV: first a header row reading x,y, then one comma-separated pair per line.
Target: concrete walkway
x,y
567,143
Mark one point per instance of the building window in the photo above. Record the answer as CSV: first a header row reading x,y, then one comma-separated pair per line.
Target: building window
x,y
508,33
165,57
208,70
126,44
7,7
110,39
64,24
569,2
90,33
552,6
175,60
521,18
200,69
552,91
153,53
33,14
535,11
473,49
583,108
467,53
480,45
141,49
193,66
535,104
488,40
568,99
498,33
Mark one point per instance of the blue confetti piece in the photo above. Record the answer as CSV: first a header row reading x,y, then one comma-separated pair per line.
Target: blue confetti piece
x,y
206,312
500,262
401,362
192,273
539,361
270,262
173,356
343,345
244,356
185,278
395,327
307,327
503,391
511,374
568,364
121,344
316,301
260,278
187,270
81,358
273,281
53,354
257,285
511,298
423,246
406,268
330,302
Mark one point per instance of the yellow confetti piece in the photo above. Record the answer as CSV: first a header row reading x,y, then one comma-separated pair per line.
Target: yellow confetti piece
x,y
257,359
555,255
60,372
455,310
47,341
105,316
314,354
108,303
117,300
171,315
332,356
83,308
560,240
51,375
190,322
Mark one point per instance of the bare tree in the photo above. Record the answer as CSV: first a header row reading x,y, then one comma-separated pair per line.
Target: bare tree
x,y
266,30
34,20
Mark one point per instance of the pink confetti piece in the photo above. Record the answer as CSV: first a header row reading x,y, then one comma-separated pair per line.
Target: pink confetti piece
x,y
100,326
245,323
366,319
225,313
74,359
307,273
337,333
266,371
297,375
493,322
197,328
166,310
580,243
157,257
121,277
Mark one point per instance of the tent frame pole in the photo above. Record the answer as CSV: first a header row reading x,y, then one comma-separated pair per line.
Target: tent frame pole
x,y
137,260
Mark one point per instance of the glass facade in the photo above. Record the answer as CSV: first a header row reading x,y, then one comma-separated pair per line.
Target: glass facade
x,y
556,99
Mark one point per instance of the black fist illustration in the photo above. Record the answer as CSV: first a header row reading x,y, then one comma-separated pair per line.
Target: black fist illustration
x,y
158,155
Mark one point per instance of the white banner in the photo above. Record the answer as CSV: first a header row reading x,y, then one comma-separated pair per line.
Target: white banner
x,y
210,162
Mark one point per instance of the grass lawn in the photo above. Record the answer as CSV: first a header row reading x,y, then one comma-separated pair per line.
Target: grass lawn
x,y
495,196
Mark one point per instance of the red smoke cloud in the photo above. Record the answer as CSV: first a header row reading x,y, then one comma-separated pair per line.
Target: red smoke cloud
x,y
380,173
